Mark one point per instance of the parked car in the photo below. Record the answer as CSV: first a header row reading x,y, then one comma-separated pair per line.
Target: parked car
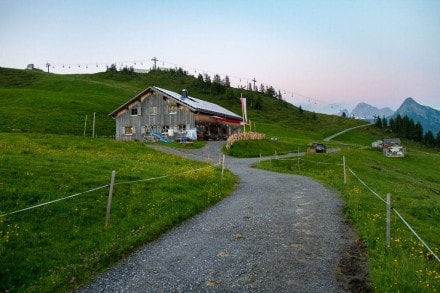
x,y
320,148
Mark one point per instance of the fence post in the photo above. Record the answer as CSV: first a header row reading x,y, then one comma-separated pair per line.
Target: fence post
x,y
223,166
85,126
109,201
93,128
388,229
297,156
345,170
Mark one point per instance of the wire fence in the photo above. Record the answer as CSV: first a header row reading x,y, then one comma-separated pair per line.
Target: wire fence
x,y
101,187
221,162
77,232
411,229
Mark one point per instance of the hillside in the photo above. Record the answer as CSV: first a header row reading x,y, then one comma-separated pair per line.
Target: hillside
x,y
35,101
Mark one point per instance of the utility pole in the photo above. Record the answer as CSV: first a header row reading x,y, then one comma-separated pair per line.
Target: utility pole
x,y
47,65
154,60
254,80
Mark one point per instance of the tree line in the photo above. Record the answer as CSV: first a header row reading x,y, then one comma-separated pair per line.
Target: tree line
x,y
216,85
407,128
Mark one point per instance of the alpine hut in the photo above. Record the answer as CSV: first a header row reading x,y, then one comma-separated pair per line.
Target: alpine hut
x,y
161,114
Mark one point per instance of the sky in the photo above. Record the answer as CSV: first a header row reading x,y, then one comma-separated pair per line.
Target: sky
x,y
323,55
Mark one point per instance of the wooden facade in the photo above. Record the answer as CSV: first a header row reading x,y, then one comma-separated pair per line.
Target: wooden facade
x,y
172,116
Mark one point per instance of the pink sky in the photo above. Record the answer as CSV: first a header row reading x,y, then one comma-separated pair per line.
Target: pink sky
x,y
333,53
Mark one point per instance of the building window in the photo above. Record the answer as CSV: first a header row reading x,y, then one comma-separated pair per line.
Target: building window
x,y
153,110
136,111
128,130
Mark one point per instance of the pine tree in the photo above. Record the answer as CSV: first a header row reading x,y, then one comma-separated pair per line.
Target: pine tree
x,y
429,139
270,91
392,124
384,122
378,122
207,80
217,78
200,81
227,81
419,132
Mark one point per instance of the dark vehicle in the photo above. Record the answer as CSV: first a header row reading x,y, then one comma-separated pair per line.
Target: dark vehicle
x,y
320,148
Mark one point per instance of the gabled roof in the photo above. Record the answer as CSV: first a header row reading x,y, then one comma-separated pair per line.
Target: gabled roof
x,y
194,104
391,140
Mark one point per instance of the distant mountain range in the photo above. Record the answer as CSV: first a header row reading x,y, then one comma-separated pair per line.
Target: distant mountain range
x,y
368,112
427,116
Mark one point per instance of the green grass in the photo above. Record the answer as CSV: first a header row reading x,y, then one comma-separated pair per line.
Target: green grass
x,y
414,185
58,246
44,156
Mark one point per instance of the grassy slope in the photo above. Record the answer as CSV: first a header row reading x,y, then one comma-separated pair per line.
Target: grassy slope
x,y
34,101
56,247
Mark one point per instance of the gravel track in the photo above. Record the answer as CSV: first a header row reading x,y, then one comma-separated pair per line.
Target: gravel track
x,y
274,233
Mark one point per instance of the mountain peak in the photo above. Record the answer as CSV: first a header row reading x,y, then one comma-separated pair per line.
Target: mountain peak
x,y
368,112
427,116
410,100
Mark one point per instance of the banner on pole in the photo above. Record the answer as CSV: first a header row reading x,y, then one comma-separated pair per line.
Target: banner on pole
x,y
243,109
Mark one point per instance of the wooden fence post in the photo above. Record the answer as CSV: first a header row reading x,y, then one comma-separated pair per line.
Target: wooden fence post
x,y
388,229
223,166
109,201
93,129
85,126
345,170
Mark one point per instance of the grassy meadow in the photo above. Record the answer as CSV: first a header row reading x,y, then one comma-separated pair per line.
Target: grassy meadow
x,y
45,156
414,185
58,246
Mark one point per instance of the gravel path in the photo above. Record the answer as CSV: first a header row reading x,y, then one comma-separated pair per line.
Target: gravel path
x,y
344,131
275,233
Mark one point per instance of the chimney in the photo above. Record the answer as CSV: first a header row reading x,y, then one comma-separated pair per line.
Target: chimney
x,y
184,94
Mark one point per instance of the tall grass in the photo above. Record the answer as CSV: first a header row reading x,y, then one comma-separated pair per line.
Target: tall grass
x,y
58,246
